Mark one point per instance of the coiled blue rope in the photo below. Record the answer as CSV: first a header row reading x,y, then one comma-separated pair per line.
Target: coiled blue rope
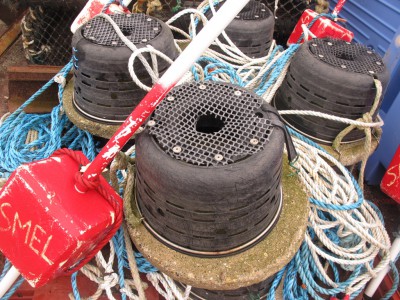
x,y
54,131
119,245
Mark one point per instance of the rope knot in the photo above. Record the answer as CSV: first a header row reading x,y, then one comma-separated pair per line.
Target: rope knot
x,y
83,185
366,118
109,281
60,79
122,161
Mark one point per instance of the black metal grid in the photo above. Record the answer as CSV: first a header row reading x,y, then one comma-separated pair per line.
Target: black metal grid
x,y
254,10
138,28
236,110
352,57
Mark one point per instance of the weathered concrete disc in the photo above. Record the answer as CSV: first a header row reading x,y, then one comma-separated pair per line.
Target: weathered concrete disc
x,y
96,128
352,153
240,270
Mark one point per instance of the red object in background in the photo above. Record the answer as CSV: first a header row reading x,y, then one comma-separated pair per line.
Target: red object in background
x,y
322,28
59,289
92,9
390,184
46,225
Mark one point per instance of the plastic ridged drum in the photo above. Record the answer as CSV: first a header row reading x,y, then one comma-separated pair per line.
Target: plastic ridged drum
x,y
209,169
334,77
104,90
252,29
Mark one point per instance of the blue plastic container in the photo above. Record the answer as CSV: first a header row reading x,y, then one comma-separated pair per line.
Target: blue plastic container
x,y
376,23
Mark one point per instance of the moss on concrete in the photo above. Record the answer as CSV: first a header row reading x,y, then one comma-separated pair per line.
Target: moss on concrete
x,y
240,270
351,153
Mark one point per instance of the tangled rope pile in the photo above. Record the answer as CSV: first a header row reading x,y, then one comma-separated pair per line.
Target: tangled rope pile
x,y
345,232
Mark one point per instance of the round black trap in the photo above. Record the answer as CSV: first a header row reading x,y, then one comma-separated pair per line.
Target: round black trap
x,y
333,77
209,169
255,291
104,90
251,30
287,14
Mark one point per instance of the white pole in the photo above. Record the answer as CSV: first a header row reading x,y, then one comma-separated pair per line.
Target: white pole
x,y
206,36
8,280
374,283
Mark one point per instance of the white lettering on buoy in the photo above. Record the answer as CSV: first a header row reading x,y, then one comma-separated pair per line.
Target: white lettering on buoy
x,y
38,241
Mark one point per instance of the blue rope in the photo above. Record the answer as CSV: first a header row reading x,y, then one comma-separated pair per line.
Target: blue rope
x,y
277,68
12,290
74,284
275,283
143,265
396,280
119,245
329,16
54,131
7,266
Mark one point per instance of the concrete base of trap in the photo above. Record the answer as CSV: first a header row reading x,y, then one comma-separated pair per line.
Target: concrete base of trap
x,y
352,153
96,128
240,270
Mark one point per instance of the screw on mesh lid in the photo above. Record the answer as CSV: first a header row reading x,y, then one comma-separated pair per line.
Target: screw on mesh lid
x,y
254,10
138,28
211,123
352,57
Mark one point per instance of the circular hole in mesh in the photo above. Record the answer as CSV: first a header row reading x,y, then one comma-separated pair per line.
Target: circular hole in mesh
x,y
345,55
355,57
209,123
126,32
259,114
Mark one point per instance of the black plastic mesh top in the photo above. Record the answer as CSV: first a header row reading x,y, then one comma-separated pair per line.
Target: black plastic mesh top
x,y
252,11
138,28
210,123
352,57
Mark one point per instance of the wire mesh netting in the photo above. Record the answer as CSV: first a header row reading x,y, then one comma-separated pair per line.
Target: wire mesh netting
x,y
288,12
162,9
46,32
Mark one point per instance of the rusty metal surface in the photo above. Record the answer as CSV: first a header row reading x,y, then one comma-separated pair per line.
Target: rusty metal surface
x,y
24,81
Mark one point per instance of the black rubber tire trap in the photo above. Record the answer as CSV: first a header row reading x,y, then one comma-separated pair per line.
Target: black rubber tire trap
x,y
251,31
334,77
104,90
209,169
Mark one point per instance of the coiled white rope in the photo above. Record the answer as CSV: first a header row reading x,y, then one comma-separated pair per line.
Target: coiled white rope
x,y
360,227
